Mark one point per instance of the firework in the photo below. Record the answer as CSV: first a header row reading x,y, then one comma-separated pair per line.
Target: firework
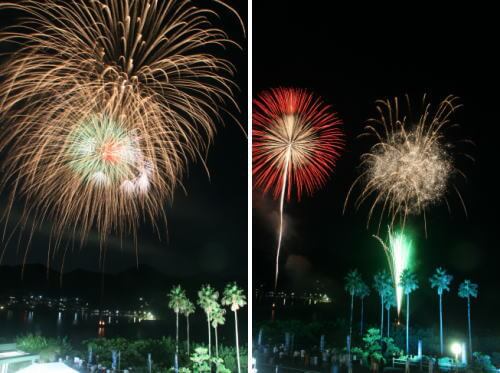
x,y
398,251
296,143
411,166
104,104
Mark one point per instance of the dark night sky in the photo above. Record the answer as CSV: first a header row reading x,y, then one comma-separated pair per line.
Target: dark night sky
x,y
207,227
352,59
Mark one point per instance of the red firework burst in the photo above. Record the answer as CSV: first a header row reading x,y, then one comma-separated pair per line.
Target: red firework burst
x,y
297,140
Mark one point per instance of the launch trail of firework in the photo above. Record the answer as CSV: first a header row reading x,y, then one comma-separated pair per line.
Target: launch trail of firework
x,y
282,203
296,143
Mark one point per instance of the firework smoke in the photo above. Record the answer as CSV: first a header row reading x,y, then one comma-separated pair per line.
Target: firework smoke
x,y
296,143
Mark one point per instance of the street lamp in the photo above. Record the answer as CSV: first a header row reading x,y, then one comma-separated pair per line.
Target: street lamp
x,y
456,348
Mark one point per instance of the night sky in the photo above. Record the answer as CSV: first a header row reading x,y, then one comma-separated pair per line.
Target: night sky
x,y
351,59
207,227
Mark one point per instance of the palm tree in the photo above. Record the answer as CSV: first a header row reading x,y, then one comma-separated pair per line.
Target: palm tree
x,y
408,283
468,289
187,309
441,281
390,301
233,297
218,318
177,298
207,299
363,291
352,281
382,283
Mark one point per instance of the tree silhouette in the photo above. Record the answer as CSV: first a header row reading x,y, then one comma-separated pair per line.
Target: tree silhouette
x,y
352,284
207,299
234,297
441,281
362,293
467,290
187,309
382,283
177,299
218,318
409,284
390,301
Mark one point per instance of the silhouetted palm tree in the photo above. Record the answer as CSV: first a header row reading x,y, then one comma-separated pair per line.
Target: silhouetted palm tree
x,y
441,281
390,301
233,297
207,299
352,281
382,282
187,310
362,293
218,318
177,298
467,290
409,284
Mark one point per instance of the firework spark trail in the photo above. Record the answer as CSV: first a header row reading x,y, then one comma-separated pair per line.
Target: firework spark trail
x,y
104,104
411,166
282,204
398,251
296,143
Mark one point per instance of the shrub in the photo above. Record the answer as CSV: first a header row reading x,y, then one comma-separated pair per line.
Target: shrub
x,y
482,363
378,348
228,355
134,353
49,349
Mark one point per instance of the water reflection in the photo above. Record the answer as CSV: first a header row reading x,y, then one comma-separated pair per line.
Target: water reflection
x,y
77,325
100,332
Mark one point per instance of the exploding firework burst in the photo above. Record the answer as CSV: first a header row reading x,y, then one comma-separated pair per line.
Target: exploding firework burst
x,y
104,104
100,151
398,251
411,166
297,140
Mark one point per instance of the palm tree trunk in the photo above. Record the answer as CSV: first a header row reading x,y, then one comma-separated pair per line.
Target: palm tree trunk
x,y
470,331
177,332
388,321
407,323
361,326
382,317
216,343
237,341
209,337
176,342
187,332
441,347
350,321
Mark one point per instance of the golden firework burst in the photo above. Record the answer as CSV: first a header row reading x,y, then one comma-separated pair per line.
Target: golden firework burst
x,y
104,103
411,166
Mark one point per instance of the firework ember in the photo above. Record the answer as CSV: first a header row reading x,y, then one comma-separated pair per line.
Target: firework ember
x,y
297,140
